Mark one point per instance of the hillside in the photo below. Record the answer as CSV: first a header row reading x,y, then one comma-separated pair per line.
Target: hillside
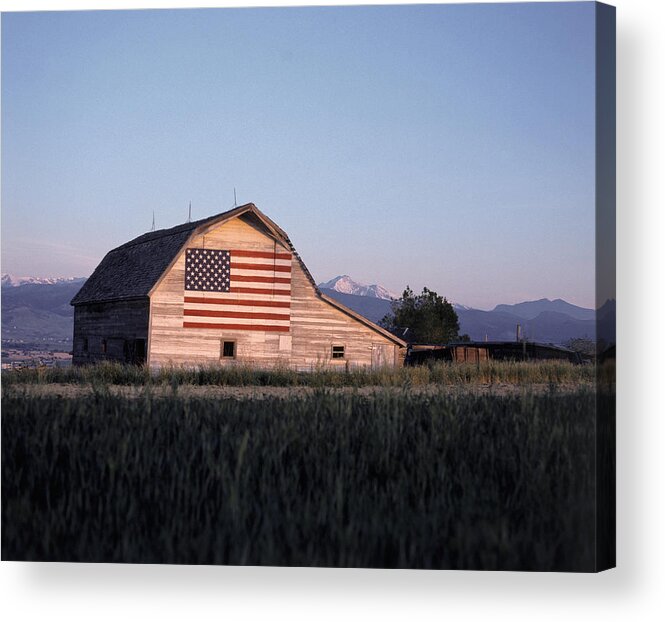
x,y
38,312
533,308
373,309
548,326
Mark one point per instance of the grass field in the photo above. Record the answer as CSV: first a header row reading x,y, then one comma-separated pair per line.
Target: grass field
x,y
549,372
393,479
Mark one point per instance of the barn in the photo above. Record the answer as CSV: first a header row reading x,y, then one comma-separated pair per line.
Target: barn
x,y
229,289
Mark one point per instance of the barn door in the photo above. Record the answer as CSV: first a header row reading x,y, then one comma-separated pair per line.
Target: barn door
x,y
134,351
382,355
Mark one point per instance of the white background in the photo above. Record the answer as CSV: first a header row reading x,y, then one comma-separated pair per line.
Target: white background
x,y
635,590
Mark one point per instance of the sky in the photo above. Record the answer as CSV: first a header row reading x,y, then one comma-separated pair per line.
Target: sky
x,y
446,146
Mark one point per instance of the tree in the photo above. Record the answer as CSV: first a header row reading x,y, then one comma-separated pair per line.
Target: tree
x,y
429,317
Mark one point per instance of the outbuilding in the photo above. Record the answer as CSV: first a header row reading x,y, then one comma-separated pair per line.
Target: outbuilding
x,y
228,289
480,351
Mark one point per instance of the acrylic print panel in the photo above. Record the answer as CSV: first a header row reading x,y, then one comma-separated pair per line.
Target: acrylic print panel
x,y
399,352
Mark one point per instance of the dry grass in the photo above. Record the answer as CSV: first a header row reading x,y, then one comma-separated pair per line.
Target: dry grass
x,y
489,373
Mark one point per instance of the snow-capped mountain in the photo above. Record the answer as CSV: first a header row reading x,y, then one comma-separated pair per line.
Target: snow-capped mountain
x,y
37,310
346,285
9,280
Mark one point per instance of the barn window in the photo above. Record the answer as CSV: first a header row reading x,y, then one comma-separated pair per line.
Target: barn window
x,y
338,352
228,349
85,344
104,346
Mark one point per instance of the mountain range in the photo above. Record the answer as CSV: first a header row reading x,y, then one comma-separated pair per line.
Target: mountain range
x,y
544,320
9,280
35,310
532,309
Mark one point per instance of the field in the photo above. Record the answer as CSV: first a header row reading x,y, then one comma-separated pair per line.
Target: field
x,y
362,469
442,374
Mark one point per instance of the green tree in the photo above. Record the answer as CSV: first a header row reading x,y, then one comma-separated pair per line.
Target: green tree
x,y
429,317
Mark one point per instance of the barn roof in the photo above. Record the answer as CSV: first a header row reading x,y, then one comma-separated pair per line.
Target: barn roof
x,y
133,269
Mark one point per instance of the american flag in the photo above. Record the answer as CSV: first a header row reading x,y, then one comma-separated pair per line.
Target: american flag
x,y
237,290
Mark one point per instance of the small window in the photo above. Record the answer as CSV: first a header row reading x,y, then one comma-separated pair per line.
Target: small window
x,y
338,352
85,344
104,346
228,349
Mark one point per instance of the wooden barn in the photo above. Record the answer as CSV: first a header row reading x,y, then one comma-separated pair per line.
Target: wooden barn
x,y
228,289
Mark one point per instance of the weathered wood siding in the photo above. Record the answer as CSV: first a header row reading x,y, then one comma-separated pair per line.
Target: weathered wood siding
x,y
470,354
315,325
110,326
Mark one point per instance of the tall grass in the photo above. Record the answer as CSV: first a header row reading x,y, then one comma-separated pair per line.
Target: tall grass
x,y
329,479
549,372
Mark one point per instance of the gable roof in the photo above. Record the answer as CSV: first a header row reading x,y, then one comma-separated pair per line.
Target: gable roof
x,y
134,269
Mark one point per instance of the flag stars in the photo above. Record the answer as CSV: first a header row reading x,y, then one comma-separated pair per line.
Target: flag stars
x,y
207,270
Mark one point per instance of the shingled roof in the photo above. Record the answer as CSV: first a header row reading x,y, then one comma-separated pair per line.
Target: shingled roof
x,y
131,270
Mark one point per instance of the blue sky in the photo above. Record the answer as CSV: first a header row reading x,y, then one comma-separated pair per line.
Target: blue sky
x,y
446,146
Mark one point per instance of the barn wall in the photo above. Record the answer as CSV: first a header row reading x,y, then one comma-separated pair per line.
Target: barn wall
x,y
118,324
315,325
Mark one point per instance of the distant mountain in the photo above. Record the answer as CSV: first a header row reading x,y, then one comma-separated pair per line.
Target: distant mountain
x,y
38,310
374,309
493,325
546,327
533,308
35,311
9,280
346,285
553,327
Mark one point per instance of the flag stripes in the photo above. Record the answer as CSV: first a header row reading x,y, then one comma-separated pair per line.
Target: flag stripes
x,y
260,290
241,278
237,290
250,303
268,267
262,255
237,314
263,327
